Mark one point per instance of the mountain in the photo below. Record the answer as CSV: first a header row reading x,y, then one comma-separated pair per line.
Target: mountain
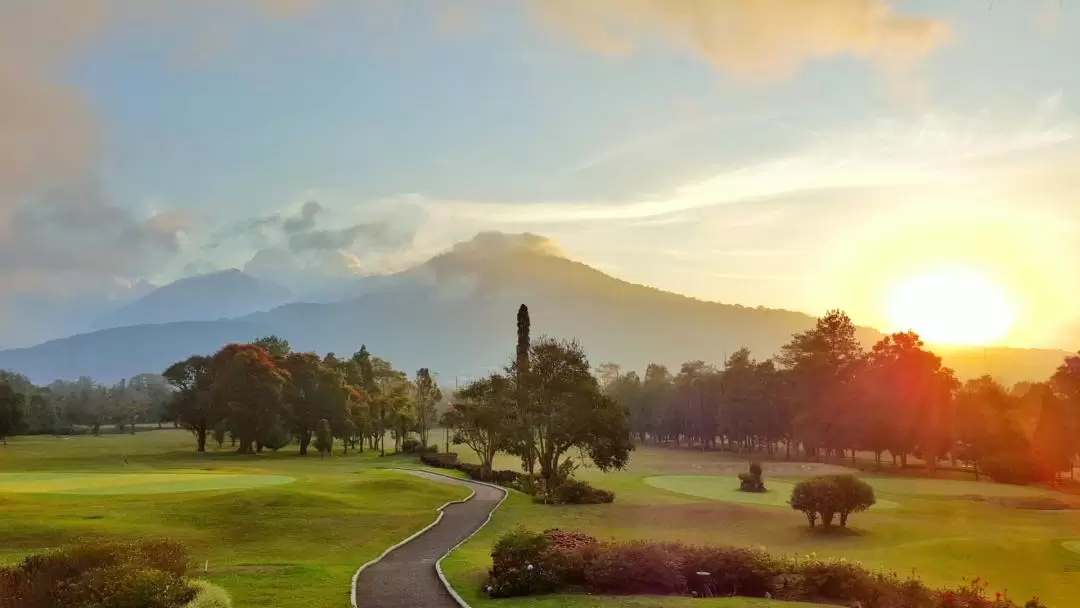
x,y
456,315
218,295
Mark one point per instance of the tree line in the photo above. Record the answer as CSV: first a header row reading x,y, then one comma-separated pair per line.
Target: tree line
x,y
823,395
64,407
264,395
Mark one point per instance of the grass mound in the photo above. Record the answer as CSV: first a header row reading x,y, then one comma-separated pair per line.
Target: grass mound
x,y
1072,545
131,483
726,490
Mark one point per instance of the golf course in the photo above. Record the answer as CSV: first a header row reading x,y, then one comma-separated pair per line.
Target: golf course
x,y
276,529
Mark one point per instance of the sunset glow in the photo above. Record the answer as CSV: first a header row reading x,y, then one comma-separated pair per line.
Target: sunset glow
x,y
953,305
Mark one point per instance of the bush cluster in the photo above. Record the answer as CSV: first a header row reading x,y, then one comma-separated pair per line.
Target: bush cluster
x,y
449,460
567,492
529,563
574,492
410,445
827,496
148,574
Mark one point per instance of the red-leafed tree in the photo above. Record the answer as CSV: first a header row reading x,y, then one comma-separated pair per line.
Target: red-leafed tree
x,y
247,383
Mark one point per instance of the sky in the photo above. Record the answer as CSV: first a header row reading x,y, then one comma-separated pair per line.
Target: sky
x,y
798,155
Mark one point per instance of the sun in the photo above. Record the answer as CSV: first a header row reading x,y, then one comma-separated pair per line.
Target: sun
x,y
951,305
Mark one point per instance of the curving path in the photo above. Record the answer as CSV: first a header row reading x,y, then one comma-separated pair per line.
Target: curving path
x,y
406,576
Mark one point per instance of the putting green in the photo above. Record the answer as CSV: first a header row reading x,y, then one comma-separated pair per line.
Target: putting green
x,y
727,489
131,483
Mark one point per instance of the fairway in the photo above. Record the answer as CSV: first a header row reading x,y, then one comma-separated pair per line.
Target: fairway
x,y
727,490
131,483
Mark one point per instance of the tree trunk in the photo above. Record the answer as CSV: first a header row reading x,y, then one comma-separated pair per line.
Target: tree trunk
x,y
200,440
305,440
903,460
787,447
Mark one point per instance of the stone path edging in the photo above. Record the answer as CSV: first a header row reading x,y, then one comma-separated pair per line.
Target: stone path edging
x,y
441,512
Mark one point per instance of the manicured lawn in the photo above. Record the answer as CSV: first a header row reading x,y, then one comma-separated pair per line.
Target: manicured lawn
x,y
131,483
935,531
293,544
723,488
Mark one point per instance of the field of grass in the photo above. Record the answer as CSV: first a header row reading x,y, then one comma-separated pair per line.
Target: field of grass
x,y
936,530
274,529
298,541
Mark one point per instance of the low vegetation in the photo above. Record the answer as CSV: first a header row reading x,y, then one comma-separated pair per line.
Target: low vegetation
x,y
531,563
146,574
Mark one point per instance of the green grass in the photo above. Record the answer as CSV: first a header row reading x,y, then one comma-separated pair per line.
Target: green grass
x,y
723,488
295,544
935,529
131,483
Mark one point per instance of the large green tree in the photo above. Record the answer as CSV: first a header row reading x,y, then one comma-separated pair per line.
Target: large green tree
x,y
569,411
193,406
482,418
822,363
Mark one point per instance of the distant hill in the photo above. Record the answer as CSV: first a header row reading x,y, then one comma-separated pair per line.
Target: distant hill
x,y
456,315
208,297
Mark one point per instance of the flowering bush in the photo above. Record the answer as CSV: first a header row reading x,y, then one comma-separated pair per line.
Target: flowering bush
x,y
526,563
637,568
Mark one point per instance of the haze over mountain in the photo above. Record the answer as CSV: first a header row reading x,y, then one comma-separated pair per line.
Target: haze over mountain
x,y
455,314
207,297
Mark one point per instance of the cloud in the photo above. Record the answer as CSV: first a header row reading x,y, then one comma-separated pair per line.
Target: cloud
x,y
494,243
303,221
931,149
748,37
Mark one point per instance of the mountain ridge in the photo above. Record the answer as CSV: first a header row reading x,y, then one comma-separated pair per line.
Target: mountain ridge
x,y
455,314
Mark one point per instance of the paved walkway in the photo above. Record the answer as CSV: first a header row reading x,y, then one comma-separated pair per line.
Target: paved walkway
x,y
406,577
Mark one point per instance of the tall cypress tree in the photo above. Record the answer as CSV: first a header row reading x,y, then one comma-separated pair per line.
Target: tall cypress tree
x,y
523,388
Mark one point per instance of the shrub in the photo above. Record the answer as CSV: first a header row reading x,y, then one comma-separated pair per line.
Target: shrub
x,y
444,460
575,492
732,570
827,496
523,564
1013,467
127,587
638,568
410,445
102,575
209,595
